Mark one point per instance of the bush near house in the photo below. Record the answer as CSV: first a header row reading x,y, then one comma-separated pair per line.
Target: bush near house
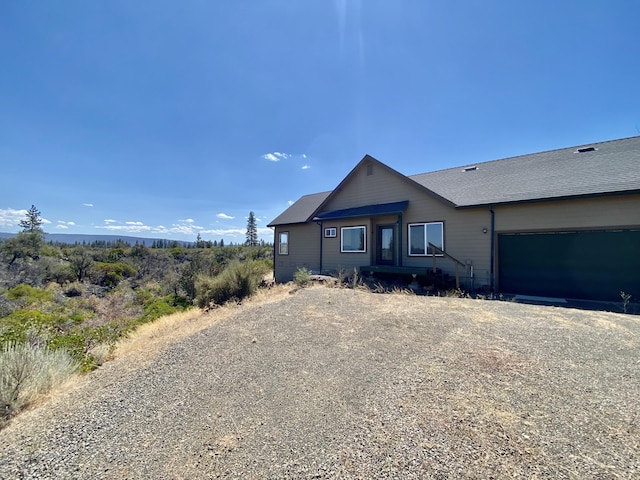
x,y
236,282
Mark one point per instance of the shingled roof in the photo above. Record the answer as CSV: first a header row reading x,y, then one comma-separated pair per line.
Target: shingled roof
x,y
301,210
603,168
594,169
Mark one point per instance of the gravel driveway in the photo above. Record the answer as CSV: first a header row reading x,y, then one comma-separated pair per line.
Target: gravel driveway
x,y
335,383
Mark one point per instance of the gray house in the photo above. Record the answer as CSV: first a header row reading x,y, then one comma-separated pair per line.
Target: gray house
x,y
563,223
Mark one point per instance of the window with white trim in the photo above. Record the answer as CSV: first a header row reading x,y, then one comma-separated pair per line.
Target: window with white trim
x,y
353,239
330,232
283,243
423,234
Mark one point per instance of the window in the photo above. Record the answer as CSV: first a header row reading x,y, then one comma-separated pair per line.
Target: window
x,y
330,232
423,234
283,244
352,239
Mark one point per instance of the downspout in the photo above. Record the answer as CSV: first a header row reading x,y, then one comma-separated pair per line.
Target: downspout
x,y
399,247
274,254
493,246
321,235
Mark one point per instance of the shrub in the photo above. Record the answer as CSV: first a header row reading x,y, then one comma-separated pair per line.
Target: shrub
x,y
27,371
28,295
626,298
302,276
75,289
60,273
110,274
78,343
237,281
17,326
158,307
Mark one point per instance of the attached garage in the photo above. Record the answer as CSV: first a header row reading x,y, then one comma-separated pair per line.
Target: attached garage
x,y
582,264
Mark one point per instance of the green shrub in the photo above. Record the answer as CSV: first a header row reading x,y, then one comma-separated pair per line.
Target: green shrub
x,y
111,274
27,371
60,273
79,343
17,326
302,276
75,289
28,295
155,307
236,282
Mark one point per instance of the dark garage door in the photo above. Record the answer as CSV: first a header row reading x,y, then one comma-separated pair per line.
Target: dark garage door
x,y
590,265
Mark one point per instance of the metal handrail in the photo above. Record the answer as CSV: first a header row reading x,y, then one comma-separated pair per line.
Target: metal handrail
x,y
451,257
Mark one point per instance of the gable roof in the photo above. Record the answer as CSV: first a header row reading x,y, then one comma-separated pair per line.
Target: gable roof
x,y
603,168
596,169
301,210
369,160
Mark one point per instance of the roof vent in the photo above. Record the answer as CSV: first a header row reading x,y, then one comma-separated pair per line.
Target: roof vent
x,y
470,169
585,149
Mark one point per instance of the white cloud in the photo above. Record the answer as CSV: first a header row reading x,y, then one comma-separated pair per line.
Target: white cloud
x,y
271,157
183,229
276,156
306,167
88,204
224,216
128,228
64,225
304,155
10,217
109,220
290,202
228,232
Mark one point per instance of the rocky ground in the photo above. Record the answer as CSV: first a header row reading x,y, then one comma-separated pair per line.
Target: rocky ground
x,y
337,383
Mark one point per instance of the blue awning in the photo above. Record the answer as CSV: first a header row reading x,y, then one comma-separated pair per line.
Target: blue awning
x,y
366,211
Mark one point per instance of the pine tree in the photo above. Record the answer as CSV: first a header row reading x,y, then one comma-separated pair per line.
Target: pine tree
x,y
28,242
252,231
32,222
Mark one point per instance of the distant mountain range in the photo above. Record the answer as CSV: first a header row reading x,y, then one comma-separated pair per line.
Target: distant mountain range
x,y
72,239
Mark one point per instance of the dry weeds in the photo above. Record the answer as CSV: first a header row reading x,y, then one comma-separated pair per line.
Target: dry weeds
x,y
150,339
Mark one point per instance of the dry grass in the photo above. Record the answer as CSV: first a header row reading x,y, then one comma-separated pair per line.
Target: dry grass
x,y
148,340
28,373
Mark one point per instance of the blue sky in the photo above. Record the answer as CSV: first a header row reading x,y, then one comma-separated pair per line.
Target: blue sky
x,y
166,119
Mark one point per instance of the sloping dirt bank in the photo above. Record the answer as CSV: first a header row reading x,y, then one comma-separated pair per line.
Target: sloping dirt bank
x,y
334,383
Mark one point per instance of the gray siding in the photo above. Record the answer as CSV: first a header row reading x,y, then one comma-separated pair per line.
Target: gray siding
x,y
601,213
304,250
463,229
467,232
588,213
333,259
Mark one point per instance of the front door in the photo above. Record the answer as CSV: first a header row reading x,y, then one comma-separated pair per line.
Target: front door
x,y
386,245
